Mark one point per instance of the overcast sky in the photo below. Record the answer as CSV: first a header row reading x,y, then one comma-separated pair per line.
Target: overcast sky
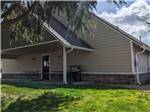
x,y
131,17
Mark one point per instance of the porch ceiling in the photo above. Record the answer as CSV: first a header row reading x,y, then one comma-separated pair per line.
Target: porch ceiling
x,y
13,53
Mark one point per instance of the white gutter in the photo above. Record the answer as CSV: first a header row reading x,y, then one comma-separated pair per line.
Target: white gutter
x,y
137,65
69,51
82,48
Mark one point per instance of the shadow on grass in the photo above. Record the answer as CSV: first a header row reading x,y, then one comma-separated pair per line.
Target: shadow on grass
x,y
39,85
48,102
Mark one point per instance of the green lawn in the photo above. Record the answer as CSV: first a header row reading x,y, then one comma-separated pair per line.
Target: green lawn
x,y
34,97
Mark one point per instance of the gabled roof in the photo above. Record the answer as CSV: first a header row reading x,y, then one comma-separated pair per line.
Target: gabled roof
x,y
66,36
61,33
130,37
69,39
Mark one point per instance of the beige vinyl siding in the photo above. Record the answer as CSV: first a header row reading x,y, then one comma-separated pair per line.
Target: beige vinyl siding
x,y
143,59
57,60
143,62
9,66
111,53
32,63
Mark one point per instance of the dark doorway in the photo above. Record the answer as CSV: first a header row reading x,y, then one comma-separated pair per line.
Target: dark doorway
x,y
45,67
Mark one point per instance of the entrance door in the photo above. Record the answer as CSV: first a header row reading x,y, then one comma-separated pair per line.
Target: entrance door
x,y
45,67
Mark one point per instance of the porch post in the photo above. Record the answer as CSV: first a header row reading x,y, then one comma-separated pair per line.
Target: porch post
x,y
64,66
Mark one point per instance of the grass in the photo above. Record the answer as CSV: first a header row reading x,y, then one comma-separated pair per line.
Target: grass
x,y
35,97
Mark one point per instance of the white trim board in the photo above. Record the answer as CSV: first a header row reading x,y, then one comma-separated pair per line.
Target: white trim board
x,y
30,45
144,72
109,73
82,48
97,73
59,37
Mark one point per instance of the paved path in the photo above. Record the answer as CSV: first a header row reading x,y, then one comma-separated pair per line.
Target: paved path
x,y
141,87
129,86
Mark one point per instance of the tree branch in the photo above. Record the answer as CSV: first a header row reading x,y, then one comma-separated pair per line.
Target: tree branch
x,y
4,14
25,13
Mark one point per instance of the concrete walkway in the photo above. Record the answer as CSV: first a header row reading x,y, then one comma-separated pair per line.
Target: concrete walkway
x,y
31,81
139,87
128,86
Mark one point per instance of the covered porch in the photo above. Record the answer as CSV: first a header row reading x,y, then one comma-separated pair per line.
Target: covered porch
x,y
45,60
38,62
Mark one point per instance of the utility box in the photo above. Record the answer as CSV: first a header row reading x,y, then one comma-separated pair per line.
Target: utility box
x,y
75,73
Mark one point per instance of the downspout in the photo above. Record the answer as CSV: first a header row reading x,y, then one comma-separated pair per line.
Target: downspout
x,y
137,66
